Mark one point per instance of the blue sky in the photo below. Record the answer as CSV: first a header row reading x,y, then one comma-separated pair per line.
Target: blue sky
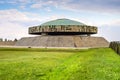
x,y
17,15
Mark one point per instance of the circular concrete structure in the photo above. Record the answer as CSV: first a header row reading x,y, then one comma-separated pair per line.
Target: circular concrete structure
x,y
63,33
63,27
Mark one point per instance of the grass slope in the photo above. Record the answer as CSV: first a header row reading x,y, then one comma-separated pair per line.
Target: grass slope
x,y
59,64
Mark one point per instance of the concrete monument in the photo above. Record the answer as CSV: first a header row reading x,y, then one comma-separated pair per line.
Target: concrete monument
x,y
63,33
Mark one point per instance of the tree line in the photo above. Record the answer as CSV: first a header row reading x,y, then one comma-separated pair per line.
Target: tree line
x,y
5,40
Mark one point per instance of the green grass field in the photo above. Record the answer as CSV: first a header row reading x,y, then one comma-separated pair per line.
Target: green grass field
x,y
59,64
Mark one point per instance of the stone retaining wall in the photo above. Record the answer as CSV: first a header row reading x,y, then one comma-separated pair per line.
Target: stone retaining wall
x,y
7,43
63,41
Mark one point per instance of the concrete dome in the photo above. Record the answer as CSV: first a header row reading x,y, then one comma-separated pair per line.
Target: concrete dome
x,y
62,21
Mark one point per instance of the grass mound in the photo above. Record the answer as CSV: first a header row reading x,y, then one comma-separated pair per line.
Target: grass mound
x,y
59,64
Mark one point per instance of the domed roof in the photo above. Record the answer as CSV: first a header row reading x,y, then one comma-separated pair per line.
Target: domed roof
x,y
62,22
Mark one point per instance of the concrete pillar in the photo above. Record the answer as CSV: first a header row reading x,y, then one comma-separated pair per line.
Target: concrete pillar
x,y
43,34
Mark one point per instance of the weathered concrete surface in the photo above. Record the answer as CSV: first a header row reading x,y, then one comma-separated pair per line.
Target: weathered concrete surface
x,y
63,27
63,41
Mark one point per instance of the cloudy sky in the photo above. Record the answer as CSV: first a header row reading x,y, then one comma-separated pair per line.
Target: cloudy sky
x,y
17,15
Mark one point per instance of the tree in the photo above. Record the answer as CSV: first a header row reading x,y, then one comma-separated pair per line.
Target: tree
x,y
15,40
1,39
5,39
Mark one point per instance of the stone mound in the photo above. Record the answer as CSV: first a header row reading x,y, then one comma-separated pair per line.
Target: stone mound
x,y
63,41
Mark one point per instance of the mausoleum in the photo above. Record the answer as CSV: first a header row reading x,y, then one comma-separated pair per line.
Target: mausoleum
x,y
63,33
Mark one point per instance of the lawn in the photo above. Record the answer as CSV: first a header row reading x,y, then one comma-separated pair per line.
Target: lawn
x,y
59,64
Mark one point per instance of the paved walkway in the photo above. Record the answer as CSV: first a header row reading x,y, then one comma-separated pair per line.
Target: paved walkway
x,y
44,47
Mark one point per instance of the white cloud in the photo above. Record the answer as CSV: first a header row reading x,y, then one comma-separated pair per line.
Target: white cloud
x,y
44,5
48,9
80,5
74,5
14,24
110,31
114,23
16,1
12,30
12,15
37,5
